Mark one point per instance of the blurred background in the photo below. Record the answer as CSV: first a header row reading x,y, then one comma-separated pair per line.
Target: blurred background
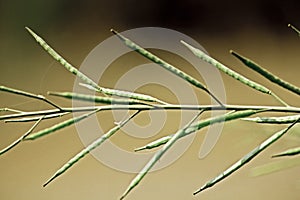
x,y
256,29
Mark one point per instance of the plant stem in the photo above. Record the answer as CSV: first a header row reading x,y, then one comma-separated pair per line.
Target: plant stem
x,y
27,94
16,142
281,109
30,119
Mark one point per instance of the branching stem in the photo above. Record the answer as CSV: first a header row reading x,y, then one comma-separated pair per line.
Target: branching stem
x,y
281,109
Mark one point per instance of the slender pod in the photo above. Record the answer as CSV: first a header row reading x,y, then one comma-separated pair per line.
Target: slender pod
x,y
164,64
294,28
96,99
61,60
188,129
222,118
59,126
289,152
89,148
154,144
200,54
86,79
274,120
201,124
265,73
157,157
246,158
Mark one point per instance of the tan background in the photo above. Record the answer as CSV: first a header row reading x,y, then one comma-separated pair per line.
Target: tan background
x,y
257,29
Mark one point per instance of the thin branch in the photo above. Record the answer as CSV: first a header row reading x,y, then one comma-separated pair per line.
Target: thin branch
x,y
30,119
281,109
279,99
27,94
16,142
